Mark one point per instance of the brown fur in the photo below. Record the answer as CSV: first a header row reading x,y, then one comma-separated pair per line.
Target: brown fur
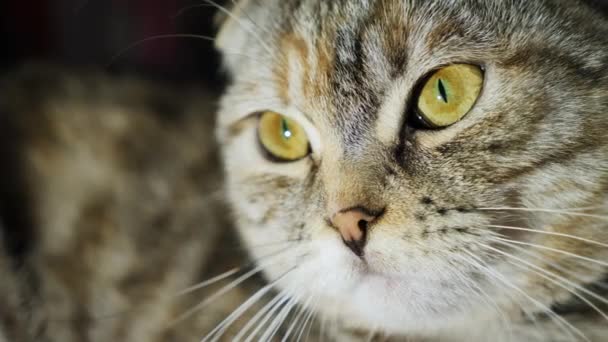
x,y
111,195
536,139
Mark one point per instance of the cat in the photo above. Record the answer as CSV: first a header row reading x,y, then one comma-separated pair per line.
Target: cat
x,y
431,169
378,170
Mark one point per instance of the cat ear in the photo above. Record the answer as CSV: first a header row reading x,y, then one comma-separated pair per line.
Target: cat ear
x,y
221,15
230,37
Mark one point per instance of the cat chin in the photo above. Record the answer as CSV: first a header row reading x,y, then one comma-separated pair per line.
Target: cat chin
x,y
382,303
361,296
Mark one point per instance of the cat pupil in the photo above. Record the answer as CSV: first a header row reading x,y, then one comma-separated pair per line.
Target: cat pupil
x,y
285,129
442,92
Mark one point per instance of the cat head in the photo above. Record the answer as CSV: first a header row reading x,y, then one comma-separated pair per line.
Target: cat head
x,y
409,165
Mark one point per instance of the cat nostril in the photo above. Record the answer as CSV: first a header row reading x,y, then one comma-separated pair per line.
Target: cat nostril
x,y
355,246
352,224
362,224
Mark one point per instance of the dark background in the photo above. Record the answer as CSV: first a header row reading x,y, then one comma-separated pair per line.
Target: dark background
x,y
93,32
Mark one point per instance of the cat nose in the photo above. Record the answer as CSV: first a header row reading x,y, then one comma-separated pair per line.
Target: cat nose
x,y
352,223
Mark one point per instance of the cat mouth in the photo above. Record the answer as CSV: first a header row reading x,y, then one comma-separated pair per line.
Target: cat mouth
x,y
388,280
371,267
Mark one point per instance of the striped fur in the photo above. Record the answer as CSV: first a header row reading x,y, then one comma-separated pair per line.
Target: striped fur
x,y
435,266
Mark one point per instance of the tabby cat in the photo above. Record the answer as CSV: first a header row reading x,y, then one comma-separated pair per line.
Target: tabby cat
x,y
394,170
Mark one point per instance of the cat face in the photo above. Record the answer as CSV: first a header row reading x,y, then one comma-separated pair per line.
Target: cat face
x,y
401,165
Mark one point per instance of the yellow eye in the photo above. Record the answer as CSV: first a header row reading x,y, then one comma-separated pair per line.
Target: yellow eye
x,y
282,138
449,94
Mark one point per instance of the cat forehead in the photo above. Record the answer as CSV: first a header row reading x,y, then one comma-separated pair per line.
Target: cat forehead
x,y
351,50
340,61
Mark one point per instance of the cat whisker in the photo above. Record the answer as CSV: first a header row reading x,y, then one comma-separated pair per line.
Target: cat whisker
x,y
278,300
271,311
550,276
208,282
201,285
323,327
299,313
574,255
220,293
543,210
227,274
312,322
309,309
185,9
561,278
537,231
591,207
560,321
279,319
549,263
486,298
173,36
221,328
504,319
270,304
156,37
602,206
370,335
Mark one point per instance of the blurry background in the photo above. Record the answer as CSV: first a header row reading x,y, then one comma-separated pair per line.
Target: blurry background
x,y
91,32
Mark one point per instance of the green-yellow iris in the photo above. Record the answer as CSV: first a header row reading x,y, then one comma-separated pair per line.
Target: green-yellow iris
x,y
282,137
449,94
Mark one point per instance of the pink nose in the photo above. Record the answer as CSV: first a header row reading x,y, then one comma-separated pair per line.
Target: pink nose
x,y
352,224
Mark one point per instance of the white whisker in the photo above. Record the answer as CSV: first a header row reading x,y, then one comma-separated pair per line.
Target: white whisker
x,y
311,313
301,314
550,275
567,281
487,299
223,326
574,237
542,210
185,9
574,255
278,306
322,330
226,274
156,37
208,282
550,263
279,320
279,296
220,293
310,325
560,321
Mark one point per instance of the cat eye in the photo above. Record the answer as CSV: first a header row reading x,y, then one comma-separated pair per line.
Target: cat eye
x,y
448,95
282,138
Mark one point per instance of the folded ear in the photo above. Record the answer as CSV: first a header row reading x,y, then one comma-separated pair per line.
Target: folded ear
x,y
231,35
221,15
